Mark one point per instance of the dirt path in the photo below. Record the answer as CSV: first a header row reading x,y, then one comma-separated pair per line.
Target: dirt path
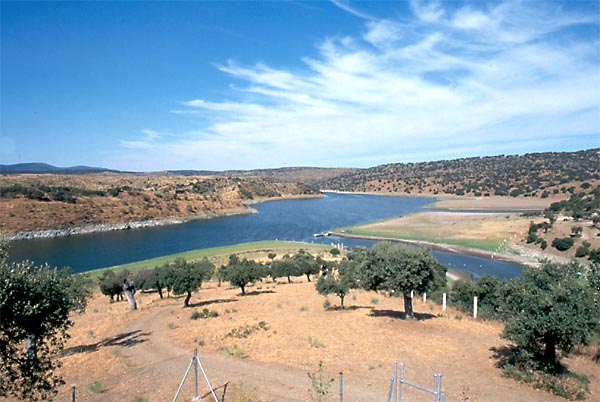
x,y
143,355
157,366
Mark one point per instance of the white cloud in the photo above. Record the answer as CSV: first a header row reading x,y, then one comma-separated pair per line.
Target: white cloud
x,y
427,12
451,83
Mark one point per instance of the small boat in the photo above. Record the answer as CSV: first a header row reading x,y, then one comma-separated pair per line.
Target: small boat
x,y
322,234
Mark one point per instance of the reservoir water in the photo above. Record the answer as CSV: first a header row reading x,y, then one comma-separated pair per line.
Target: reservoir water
x,y
282,220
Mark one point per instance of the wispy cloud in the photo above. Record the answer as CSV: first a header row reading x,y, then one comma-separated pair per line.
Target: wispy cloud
x,y
443,83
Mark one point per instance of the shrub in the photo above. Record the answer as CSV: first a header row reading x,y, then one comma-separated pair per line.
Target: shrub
x,y
203,314
562,243
97,387
583,250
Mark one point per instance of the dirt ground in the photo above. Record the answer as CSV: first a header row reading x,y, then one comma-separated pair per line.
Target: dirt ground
x,y
496,203
283,332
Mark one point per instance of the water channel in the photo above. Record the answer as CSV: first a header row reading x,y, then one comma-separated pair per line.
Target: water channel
x,y
282,220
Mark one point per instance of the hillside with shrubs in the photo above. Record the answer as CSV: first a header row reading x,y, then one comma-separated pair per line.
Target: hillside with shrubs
x,y
529,175
33,202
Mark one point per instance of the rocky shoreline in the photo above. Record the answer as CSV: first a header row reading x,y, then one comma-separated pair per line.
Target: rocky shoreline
x,y
110,227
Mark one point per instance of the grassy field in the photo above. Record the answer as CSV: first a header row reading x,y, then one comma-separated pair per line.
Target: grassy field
x,y
483,231
219,255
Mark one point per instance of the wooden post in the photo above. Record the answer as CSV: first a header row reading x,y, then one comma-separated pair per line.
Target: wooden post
x,y
341,387
475,307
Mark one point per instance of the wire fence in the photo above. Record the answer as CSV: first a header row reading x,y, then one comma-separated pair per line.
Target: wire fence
x,y
193,383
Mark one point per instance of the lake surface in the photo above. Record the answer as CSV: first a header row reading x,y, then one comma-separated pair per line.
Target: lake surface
x,y
282,220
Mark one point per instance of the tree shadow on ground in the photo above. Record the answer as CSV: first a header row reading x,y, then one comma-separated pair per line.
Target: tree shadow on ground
x,y
348,308
400,314
257,292
207,302
126,339
512,356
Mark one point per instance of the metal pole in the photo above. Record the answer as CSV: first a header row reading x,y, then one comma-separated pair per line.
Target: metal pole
x,y
341,387
395,381
437,385
392,384
401,380
182,381
73,393
195,374
212,391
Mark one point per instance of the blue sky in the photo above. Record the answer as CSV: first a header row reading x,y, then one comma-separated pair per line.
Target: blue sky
x,y
148,86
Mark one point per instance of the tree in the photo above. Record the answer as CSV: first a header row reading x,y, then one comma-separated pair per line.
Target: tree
x,y
549,308
338,281
188,276
400,269
286,267
242,272
562,243
307,264
111,283
35,302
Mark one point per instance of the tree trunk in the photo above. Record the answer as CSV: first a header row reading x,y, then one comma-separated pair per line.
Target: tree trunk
x,y
160,292
408,307
130,299
342,300
186,302
550,349
128,290
243,290
308,277
289,279
30,347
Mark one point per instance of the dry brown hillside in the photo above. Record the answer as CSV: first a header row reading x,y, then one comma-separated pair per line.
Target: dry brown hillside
x,y
48,201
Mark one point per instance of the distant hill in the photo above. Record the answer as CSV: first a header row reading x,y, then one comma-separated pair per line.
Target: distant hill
x,y
42,168
309,175
529,175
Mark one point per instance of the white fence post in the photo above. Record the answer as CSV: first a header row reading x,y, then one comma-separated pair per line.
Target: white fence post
x,y
475,307
424,297
443,302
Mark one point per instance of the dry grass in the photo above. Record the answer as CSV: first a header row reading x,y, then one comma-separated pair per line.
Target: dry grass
x,y
362,341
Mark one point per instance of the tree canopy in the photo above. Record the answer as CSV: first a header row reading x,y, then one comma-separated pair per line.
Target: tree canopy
x,y
187,277
242,272
554,307
399,269
339,280
35,302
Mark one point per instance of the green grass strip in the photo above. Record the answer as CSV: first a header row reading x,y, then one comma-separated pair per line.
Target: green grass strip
x,y
483,244
267,246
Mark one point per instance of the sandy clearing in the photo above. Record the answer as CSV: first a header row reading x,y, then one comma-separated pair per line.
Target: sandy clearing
x,y
494,203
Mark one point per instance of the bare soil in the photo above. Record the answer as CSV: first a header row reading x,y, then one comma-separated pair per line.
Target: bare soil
x,y
145,353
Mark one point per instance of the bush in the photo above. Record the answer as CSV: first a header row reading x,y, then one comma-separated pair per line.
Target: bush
x,y
204,314
522,367
562,244
583,250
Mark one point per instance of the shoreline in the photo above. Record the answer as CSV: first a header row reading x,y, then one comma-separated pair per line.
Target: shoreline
x,y
110,227
447,248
